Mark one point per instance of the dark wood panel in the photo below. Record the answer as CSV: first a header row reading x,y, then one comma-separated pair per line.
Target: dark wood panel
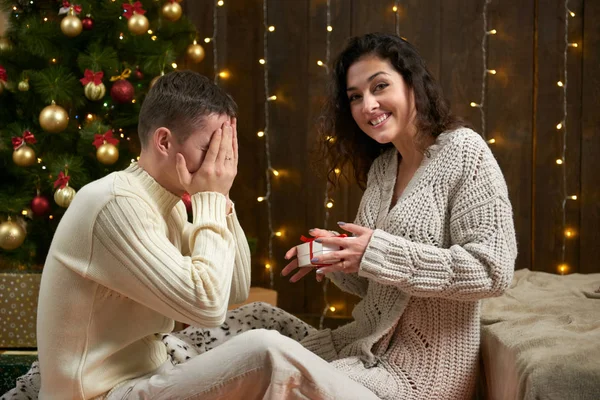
x,y
590,141
548,142
460,56
288,79
372,16
420,24
509,107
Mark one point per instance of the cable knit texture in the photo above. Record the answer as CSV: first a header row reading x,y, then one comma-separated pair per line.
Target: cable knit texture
x,y
448,242
123,265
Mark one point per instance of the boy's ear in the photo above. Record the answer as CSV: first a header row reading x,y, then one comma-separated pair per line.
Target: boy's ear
x,y
162,140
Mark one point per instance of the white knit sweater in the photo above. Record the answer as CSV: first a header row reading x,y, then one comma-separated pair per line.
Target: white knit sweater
x,y
447,243
124,263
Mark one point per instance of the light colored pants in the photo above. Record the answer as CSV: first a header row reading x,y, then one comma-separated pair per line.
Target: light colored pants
x,y
257,364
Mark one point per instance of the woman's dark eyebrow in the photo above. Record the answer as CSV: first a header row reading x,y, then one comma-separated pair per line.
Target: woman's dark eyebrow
x,y
369,79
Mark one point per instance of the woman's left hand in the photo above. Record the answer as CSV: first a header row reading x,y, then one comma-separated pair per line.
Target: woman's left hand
x,y
352,250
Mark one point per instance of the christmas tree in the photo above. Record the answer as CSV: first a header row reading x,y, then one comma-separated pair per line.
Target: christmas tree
x,y
72,80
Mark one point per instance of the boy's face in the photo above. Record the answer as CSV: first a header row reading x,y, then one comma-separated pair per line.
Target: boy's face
x,y
196,145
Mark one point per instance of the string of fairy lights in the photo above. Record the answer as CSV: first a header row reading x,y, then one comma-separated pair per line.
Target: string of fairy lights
x,y
215,47
568,233
485,72
265,134
327,200
396,10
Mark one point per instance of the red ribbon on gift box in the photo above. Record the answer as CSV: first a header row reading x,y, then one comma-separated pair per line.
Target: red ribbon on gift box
x,y
20,141
311,240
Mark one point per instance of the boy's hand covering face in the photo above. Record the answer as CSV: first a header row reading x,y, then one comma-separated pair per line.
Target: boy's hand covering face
x,y
219,168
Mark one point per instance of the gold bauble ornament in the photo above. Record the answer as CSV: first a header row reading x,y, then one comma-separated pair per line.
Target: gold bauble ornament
x,y
63,197
5,44
23,85
107,154
94,92
171,11
12,235
195,52
24,156
54,119
138,24
71,25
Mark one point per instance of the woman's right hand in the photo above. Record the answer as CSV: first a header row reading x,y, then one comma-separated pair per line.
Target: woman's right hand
x,y
294,263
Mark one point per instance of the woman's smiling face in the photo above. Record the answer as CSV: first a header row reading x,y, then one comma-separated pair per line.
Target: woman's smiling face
x,y
381,102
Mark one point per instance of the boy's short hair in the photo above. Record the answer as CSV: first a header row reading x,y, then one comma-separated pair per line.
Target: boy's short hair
x,y
179,101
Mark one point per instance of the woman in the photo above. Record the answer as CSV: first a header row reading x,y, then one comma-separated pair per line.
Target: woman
x,y
434,235
434,230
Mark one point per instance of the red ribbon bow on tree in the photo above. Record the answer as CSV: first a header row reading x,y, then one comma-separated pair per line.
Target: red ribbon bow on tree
x,y
76,7
135,8
62,180
91,76
3,75
99,140
20,141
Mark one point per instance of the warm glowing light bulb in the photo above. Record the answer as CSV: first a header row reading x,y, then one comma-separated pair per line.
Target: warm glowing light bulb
x,y
267,266
54,60
337,171
154,38
262,61
224,74
174,65
51,217
320,63
260,199
39,160
329,204
279,234
329,28
473,104
150,32
569,233
24,212
332,309
394,9
260,134
275,172
560,84
220,3
571,13
46,19
573,197
90,116
491,71
271,28
573,45
492,32
206,40
559,125
272,98
563,268
559,161
492,141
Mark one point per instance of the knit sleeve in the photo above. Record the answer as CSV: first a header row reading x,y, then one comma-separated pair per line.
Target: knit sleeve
x,y
133,256
240,284
366,216
480,260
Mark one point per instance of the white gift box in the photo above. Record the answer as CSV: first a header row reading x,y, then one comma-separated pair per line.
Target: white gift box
x,y
310,250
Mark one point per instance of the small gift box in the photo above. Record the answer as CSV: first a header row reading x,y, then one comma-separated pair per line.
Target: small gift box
x,y
311,249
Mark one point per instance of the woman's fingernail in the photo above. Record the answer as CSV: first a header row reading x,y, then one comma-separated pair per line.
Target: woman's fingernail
x,y
311,230
318,241
320,271
314,260
286,257
341,223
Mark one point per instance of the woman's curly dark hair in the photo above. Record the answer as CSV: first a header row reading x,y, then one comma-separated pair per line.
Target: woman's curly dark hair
x,y
342,143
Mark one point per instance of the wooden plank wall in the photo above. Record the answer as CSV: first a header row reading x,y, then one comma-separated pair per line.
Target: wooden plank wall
x,y
523,106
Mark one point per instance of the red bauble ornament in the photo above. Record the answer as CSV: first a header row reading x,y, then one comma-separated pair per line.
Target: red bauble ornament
x,y
87,23
40,206
139,75
187,200
122,91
